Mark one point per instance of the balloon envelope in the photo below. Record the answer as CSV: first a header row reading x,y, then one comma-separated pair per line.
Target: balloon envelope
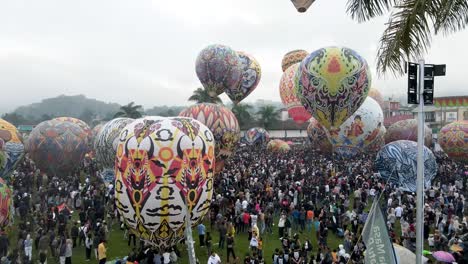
x,y
278,145
57,147
256,135
251,74
218,68
80,123
453,139
332,84
6,204
397,163
288,94
11,148
378,142
293,57
407,130
377,96
223,123
318,136
360,130
107,140
164,173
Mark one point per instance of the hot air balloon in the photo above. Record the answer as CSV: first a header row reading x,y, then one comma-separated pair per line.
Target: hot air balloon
x,y
278,145
407,130
288,94
164,173
377,96
106,143
293,57
11,148
361,129
318,137
6,204
332,84
79,122
223,123
251,74
219,69
256,135
396,162
57,147
95,131
378,142
453,139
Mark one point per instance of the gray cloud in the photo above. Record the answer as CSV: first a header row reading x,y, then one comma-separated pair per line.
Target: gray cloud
x,y
145,51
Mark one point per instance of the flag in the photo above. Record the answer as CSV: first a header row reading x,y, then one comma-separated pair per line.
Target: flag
x,y
379,247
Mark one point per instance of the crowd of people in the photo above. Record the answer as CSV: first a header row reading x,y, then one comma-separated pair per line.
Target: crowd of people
x,y
301,198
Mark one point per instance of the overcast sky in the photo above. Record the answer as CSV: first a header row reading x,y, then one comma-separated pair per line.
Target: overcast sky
x,y
145,50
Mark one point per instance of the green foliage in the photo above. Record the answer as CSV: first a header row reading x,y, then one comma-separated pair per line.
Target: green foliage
x,y
268,116
130,110
201,95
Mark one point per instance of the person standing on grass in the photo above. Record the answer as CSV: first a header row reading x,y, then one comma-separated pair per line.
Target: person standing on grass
x,y
89,246
214,258
201,234
208,242
68,251
28,245
102,250
230,247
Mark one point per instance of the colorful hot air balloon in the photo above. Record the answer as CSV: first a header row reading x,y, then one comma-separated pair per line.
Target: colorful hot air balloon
x,y
79,122
223,123
57,147
377,96
397,163
256,135
251,74
164,173
11,148
6,204
378,142
219,69
288,94
453,139
278,145
360,130
318,137
95,131
106,143
332,84
407,130
293,57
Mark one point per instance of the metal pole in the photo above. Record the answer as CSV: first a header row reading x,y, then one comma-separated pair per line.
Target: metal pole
x,y
189,238
420,169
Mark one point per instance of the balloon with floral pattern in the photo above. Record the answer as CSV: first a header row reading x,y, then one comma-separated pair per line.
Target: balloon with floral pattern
x,y
288,94
453,139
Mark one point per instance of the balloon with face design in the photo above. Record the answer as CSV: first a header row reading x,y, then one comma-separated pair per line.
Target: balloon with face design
x,y
256,135
223,123
164,171
251,74
11,148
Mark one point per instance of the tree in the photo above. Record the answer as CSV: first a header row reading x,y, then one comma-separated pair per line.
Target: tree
x,y
131,111
17,119
87,116
410,26
201,95
268,115
242,112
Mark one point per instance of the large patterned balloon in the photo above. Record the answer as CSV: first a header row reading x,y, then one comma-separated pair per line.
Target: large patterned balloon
x,y
378,142
256,135
407,130
288,94
219,69
57,147
95,131
11,148
361,129
164,172
107,140
377,96
332,84
397,163
293,57
6,204
223,123
251,74
318,137
453,138
79,122
278,145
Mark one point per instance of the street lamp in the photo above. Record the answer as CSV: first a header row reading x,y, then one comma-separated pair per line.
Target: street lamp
x,y
302,5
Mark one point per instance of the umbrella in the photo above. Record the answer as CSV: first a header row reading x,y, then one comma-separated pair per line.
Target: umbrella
x,y
405,256
443,256
456,248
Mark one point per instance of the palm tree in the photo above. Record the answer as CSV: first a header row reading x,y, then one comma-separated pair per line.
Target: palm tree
x,y
131,111
268,115
201,95
242,112
410,26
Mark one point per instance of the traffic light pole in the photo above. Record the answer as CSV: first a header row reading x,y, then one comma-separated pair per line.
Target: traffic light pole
x,y
420,170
